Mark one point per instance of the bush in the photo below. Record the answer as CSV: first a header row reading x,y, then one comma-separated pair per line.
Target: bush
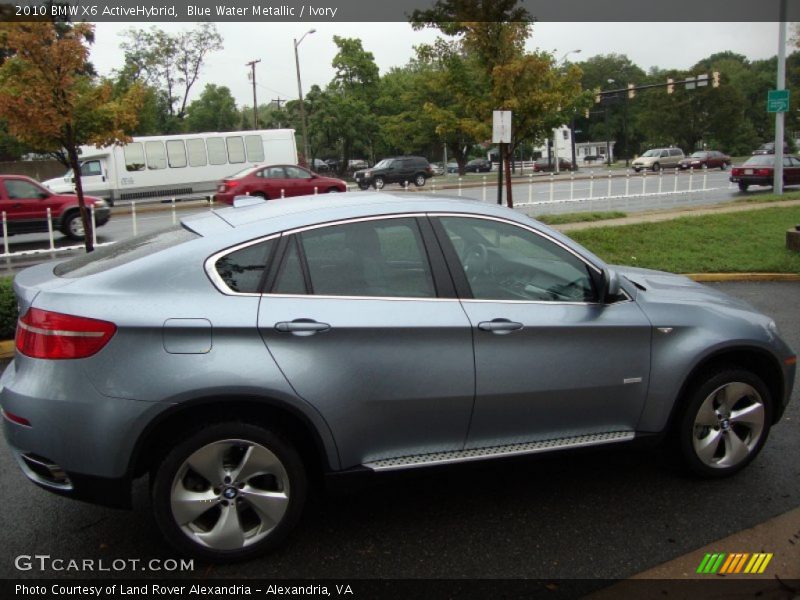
x,y
8,309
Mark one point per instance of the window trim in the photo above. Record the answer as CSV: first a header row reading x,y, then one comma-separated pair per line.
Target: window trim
x,y
210,266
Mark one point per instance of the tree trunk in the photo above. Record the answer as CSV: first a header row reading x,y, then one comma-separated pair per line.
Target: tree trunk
x,y
72,152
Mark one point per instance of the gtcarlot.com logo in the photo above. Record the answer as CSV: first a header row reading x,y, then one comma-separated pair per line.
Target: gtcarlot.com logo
x,y
734,563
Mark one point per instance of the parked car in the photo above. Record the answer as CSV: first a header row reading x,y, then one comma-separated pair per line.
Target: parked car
x,y
398,169
25,202
478,165
452,167
320,166
705,159
276,181
760,170
543,165
658,158
247,350
438,168
769,148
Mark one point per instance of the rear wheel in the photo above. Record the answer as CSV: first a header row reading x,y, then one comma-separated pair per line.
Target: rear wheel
x,y
379,183
73,226
229,491
332,190
363,186
743,186
260,195
419,180
725,423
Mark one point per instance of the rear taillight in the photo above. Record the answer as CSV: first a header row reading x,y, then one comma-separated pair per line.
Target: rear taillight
x,y
230,184
45,334
763,172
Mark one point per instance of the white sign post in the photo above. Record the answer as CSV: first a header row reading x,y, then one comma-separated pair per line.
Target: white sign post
x,y
501,134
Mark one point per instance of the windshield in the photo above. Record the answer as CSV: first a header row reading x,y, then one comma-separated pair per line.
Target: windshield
x,y
652,153
383,164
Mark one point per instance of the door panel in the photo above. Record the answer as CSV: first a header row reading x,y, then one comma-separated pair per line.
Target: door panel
x,y
550,360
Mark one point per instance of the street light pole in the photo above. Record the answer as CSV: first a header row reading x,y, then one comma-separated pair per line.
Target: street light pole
x,y
608,133
300,93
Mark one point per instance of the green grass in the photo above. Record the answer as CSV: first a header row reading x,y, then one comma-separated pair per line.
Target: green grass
x,y
765,198
751,241
580,217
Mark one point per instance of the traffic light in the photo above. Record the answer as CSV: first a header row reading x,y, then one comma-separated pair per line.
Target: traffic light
x,y
631,90
670,85
715,79
597,95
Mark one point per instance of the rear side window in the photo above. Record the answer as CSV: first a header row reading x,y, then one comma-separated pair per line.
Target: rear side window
x,y
235,149
216,151
242,269
255,149
176,153
156,156
134,156
108,257
197,152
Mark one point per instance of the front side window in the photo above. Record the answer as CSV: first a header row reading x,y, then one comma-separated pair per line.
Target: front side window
x,y
17,189
297,173
505,262
371,258
134,156
91,167
273,173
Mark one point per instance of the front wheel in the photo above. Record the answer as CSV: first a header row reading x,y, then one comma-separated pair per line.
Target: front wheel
x,y
419,180
332,190
379,183
229,491
656,167
725,423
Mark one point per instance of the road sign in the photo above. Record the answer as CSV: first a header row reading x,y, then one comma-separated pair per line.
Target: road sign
x,y
501,127
778,101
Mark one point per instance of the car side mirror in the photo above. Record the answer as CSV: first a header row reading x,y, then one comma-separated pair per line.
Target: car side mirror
x,y
611,286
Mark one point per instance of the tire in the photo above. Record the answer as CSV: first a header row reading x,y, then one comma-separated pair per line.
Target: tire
x,y
379,183
419,180
363,186
637,170
260,195
73,226
725,422
723,166
228,519
743,186
656,167
332,190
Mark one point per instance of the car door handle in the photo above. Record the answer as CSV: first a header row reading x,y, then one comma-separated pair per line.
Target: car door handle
x,y
301,327
499,326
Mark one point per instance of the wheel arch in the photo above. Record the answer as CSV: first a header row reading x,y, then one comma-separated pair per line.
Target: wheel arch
x,y
161,433
750,358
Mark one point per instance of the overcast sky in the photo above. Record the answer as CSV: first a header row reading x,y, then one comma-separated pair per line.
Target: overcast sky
x,y
666,45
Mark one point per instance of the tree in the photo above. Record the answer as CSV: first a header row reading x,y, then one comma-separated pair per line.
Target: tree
x,y
171,63
214,110
51,103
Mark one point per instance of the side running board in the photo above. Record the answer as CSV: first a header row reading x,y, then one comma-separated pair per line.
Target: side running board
x,y
455,456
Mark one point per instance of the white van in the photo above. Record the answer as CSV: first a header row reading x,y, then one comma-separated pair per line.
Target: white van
x,y
174,166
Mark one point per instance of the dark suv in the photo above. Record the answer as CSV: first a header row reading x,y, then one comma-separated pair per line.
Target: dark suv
x,y
399,169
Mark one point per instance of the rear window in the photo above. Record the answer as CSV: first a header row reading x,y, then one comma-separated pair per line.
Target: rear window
x,y
761,160
108,257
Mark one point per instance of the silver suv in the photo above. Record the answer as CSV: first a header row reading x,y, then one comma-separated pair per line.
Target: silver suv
x,y
237,358
658,158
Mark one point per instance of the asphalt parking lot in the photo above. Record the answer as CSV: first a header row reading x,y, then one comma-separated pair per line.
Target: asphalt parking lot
x,y
588,515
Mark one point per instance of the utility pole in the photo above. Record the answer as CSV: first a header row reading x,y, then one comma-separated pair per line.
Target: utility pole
x,y
252,65
278,101
777,183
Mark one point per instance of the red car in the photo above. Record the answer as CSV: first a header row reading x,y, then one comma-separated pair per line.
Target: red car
x,y
759,170
25,202
276,181
543,164
705,159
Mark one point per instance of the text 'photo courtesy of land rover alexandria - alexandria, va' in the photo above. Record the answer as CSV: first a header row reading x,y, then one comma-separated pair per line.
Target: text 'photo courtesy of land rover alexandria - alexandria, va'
x,y
243,353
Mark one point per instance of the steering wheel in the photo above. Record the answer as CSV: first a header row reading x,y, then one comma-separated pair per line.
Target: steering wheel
x,y
475,260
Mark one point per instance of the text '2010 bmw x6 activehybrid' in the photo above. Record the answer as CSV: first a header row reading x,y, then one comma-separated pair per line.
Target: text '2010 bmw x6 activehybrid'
x,y
247,350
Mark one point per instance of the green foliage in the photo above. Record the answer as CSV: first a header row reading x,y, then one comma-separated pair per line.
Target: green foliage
x,y
8,308
214,110
581,217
